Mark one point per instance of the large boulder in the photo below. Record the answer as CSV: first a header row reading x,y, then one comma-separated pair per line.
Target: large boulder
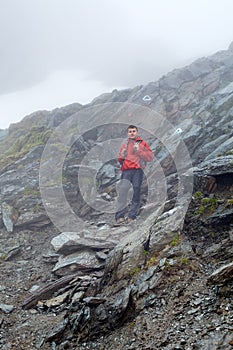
x,y
69,242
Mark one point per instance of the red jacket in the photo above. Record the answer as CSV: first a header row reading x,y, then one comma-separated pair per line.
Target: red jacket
x,y
131,159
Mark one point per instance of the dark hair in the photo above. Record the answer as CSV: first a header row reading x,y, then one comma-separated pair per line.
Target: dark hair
x,y
132,127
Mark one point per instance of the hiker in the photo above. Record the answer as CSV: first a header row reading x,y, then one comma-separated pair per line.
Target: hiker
x,y
133,157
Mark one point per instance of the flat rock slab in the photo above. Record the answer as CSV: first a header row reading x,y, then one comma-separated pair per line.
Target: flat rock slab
x,y
70,242
82,261
221,275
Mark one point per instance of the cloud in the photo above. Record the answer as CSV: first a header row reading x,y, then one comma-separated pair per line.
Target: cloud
x,y
114,40
49,94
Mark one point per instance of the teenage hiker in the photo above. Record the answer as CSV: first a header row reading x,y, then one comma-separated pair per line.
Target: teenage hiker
x,y
133,157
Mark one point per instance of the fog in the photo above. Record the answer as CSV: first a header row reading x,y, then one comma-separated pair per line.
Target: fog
x,y
56,52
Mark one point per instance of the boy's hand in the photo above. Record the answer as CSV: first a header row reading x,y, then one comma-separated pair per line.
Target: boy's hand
x,y
135,148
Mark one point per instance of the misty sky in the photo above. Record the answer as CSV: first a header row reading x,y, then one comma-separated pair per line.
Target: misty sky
x,y
56,52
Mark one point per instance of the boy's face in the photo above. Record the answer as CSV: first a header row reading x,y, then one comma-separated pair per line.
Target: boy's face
x,y
132,133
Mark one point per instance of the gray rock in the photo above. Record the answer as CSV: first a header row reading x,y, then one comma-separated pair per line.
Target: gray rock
x,y
82,262
29,202
68,242
201,67
12,253
107,171
221,275
213,167
56,301
221,149
34,288
1,221
94,300
77,297
197,102
101,313
226,90
32,220
208,150
21,176
51,257
8,216
222,215
168,225
121,303
101,255
7,309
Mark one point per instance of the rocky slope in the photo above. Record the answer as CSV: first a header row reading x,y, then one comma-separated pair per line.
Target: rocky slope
x,y
71,280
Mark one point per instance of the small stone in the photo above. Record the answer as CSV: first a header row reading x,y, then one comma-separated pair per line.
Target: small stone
x,y
94,300
77,296
57,300
7,309
197,302
162,262
33,311
101,255
192,311
34,288
198,330
171,262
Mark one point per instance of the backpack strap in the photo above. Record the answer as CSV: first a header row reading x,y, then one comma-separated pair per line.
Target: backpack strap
x,y
142,161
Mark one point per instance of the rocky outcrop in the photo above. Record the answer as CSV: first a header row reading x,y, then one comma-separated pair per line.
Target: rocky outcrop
x,y
197,101
151,284
152,274
222,275
85,251
212,173
146,261
7,216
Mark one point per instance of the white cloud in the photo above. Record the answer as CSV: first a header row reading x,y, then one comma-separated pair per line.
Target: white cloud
x,y
118,42
60,89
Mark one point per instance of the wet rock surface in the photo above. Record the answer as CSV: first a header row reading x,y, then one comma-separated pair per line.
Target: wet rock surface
x,y
163,282
178,296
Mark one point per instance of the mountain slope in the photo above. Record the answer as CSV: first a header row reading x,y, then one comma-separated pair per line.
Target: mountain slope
x,y
163,283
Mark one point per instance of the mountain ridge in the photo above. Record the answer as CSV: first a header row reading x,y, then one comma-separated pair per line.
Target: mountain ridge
x,y
163,283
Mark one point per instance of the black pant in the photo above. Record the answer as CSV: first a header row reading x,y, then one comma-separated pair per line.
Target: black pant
x,y
129,177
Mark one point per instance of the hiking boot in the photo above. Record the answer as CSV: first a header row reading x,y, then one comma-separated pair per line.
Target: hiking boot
x,y
130,221
120,221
